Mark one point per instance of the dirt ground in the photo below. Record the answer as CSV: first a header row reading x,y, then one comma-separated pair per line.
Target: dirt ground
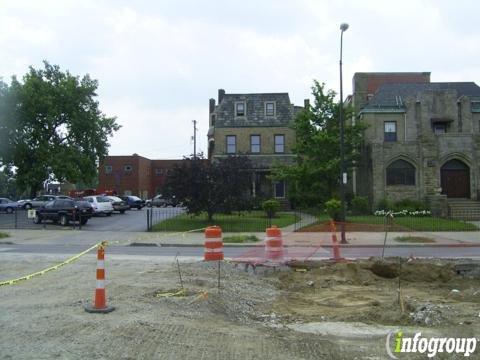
x,y
308,311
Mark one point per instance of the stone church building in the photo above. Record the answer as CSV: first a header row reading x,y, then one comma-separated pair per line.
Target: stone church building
x,y
422,139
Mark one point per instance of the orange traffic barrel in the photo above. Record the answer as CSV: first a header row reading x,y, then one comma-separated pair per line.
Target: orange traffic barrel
x,y
274,244
213,244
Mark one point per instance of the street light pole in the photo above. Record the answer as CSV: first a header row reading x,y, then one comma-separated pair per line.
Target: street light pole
x,y
343,173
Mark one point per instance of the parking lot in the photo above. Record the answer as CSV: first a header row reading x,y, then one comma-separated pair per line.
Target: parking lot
x,y
132,220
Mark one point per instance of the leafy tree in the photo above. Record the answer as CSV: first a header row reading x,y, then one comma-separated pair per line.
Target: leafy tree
x,y
316,175
50,123
203,186
8,186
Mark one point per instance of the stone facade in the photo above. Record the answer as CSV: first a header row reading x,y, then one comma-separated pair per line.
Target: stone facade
x,y
435,123
266,116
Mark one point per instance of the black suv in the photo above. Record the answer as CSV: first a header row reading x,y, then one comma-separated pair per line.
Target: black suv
x,y
64,211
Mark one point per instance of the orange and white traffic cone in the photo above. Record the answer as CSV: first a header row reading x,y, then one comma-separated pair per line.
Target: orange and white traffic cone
x,y
100,302
213,244
337,257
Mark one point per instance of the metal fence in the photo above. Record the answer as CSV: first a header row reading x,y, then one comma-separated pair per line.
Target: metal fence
x,y
178,220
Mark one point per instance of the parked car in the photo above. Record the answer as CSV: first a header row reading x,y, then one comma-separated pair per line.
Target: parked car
x,y
64,211
118,204
161,201
100,204
36,202
133,201
7,205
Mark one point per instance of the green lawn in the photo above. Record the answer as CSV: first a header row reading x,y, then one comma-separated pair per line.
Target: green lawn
x,y
408,223
240,239
254,221
414,239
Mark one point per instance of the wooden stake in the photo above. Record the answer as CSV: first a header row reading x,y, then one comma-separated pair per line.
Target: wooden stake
x,y
179,272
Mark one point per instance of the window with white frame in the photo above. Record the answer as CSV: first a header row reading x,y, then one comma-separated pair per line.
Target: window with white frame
x,y
240,109
279,143
231,144
158,171
254,144
108,169
127,168
390,133
270,108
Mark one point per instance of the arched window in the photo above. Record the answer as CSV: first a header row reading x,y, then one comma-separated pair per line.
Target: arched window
x,y
400,172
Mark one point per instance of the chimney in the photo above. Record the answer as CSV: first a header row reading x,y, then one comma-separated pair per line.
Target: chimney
x,y
221,94
306,103
211,106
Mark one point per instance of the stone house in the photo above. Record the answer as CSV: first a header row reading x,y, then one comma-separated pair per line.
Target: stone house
x,y
258,126
422,139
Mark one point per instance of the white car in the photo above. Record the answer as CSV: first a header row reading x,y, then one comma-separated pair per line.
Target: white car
x,y
100,204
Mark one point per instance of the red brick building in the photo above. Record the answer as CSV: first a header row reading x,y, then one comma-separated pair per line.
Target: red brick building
x,y
134,175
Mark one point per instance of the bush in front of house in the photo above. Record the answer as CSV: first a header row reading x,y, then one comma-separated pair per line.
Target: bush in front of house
x,y
333,207
384,204
271,207
360,205
410,205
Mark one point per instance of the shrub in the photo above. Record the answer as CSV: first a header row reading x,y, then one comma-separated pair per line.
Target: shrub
x,y
409,205
384,204
333,208
271,207
360,205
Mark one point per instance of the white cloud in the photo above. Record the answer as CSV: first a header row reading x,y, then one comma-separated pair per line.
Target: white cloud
x,y
158,63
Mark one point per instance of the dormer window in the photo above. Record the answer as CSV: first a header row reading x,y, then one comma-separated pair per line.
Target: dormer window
x,y
270,108
240,109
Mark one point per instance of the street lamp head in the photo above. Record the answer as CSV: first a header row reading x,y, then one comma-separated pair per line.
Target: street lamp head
x,y
344,27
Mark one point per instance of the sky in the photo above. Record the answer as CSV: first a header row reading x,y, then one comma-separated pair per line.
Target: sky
x,y
159,62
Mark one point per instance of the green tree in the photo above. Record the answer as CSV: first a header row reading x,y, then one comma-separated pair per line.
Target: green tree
x,y
316,175
203,186
50,122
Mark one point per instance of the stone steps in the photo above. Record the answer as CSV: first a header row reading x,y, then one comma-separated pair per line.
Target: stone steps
x,y
464,209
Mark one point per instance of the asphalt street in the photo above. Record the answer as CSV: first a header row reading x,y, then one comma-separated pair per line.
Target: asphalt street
x,y
235,251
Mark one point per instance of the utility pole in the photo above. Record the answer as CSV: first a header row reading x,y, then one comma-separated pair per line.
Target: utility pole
x,y
343,173
194,139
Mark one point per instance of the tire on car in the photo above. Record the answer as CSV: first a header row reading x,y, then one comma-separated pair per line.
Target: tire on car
x,y
63,220
37,219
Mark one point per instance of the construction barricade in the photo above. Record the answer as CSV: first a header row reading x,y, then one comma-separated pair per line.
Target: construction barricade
x,y
274,251
213,244
99,304
337,257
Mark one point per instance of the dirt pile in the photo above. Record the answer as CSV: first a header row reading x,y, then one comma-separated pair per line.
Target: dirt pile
x,y
300,312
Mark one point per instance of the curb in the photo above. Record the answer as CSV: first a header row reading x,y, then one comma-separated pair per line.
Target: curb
x,y
345,246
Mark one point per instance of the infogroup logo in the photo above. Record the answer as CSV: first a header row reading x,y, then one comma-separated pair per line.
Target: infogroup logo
x,y
430,346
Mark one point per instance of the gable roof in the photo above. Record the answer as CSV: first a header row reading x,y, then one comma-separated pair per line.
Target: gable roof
x,y
392,96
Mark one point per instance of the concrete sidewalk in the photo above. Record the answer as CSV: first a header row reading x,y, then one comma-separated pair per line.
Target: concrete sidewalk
x,y
355,239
